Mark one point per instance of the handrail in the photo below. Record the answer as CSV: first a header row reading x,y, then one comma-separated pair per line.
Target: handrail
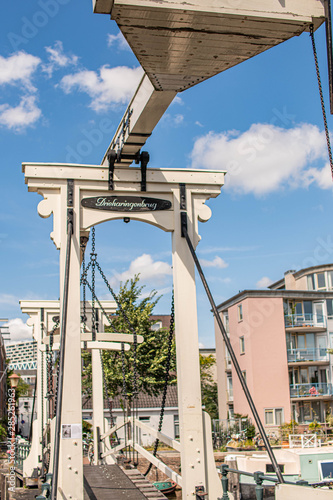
x,y
62,358
258,477
114,429
157,434
46,488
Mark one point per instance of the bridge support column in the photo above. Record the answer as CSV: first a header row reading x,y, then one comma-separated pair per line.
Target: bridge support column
x,y
188,370
70,482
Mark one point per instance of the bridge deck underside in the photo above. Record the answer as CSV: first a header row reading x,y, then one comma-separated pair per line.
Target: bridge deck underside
x,y
179,48
109,482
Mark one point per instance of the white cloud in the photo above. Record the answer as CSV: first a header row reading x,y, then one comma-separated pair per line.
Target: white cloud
x,y
21,116
118,40
217,262
18,68
266,158
110,86
173,120
264,282
148,269
18,331
58,59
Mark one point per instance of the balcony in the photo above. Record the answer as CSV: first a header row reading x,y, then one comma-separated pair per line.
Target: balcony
x,y
310,354
227,363
300,321
230,395
310,390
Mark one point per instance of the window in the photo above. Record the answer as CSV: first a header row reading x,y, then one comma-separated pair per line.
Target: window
x,y
242,345
330,279
329,308
311,282
274,416
176,426
244,375
226,321
144,419
156,326
269,417
325,469
240,312
321,281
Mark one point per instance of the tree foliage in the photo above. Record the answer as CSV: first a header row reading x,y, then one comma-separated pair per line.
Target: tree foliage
x,y
208,385
151,354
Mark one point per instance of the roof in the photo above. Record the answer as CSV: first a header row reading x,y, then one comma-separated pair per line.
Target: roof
x,y
301,272
290,294
144,400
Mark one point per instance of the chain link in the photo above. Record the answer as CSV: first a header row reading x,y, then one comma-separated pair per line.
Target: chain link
x,y
166,377
328,140
93,257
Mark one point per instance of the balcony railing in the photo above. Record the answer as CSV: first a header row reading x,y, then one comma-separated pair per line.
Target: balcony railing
x,y
306,320
310,390
307,354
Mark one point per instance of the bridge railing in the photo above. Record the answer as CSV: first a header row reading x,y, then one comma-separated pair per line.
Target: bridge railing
x,y
46,488
21,452
137,424
259,478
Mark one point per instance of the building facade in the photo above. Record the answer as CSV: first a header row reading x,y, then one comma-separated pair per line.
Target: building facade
x,y
22,358
282,338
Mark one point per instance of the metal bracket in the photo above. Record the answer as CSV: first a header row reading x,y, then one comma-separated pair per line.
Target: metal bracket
x,y
182,201
144,159
183,223
70,218
70,192
112,156
200,493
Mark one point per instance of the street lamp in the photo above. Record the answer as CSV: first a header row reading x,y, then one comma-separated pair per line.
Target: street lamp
x,y
13,380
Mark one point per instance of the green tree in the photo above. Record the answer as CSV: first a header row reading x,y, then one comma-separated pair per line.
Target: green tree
x,y
208,385
151,354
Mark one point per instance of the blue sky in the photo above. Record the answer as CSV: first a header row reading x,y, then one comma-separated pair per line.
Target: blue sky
x,y
66,76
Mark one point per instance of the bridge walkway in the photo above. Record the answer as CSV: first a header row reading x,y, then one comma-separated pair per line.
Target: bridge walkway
x,y
110,482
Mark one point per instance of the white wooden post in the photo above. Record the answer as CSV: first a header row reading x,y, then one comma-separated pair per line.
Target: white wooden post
x,y
70,481
188,372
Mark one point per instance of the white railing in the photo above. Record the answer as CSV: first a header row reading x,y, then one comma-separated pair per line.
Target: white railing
x,y
134,423
304,441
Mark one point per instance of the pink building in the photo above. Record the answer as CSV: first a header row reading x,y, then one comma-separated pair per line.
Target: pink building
x,y
280,337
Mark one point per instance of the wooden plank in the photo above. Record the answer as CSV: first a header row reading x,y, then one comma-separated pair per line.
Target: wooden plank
x,y
109,482
150,17
287,10
143,484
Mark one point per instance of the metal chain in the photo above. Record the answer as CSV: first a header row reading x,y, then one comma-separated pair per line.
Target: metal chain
x,y
328,140
124,315
49,369
93,257
57,381
106,391
42,403
166,377
84,312
94,264
124,390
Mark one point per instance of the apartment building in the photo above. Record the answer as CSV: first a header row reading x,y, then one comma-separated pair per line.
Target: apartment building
x,y
282,338
22,358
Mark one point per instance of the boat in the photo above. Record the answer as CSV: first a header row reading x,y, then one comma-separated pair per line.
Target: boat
x,y
165,487
313,465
